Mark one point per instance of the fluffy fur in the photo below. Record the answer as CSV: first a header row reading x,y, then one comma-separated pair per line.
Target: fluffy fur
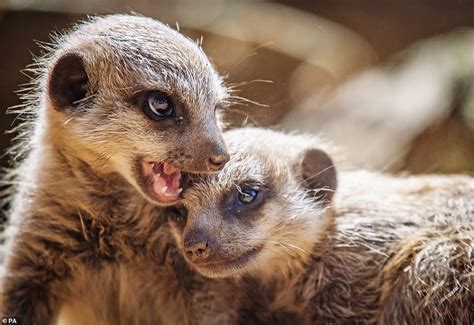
x,y
80,227
388,249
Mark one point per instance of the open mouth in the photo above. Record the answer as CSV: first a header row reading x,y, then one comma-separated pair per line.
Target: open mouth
x,y
163,181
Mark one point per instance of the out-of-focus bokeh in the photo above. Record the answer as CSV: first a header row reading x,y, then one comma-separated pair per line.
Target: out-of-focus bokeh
x,y
391,82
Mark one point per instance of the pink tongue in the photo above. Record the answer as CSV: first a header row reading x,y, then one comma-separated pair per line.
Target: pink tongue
x,y
166,185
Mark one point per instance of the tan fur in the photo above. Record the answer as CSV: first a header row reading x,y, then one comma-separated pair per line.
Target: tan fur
x,y
433,272
390,249
80,228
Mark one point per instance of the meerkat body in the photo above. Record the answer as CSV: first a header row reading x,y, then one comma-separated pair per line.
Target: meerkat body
x,y
381,249
121,109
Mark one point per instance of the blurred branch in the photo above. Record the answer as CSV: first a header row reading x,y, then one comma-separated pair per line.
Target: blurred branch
x,y
385,118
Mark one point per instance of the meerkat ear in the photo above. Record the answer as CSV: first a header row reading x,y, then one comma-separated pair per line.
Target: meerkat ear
x,y
319,175
68,81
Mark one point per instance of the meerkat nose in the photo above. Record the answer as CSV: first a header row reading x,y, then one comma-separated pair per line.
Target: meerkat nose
x,y
198,251
197,246
218,158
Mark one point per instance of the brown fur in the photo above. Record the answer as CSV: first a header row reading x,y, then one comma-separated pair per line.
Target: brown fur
x,y
80,227
388,249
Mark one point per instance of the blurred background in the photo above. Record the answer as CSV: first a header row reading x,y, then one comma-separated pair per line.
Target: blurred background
x,y
390,82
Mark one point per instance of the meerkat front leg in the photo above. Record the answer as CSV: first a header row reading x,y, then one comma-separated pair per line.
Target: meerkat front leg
x,y
27,299
30,272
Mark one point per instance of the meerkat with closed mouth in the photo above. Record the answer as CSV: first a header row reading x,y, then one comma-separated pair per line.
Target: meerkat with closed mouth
x,y
122,109
298,243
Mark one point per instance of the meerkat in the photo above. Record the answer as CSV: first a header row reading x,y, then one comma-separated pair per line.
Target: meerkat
x,y
122,109
299,243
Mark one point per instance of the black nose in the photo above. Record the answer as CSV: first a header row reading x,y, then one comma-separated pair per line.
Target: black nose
x,y
217,158
196,248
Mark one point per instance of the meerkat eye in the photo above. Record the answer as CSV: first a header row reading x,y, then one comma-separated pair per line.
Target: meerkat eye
x,y
158,106
247,196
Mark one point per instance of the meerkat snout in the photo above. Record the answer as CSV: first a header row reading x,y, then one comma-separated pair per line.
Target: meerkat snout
x,y
197,247
218,158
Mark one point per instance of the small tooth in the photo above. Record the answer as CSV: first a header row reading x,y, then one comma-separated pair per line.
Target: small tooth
x,y
163,189
179,190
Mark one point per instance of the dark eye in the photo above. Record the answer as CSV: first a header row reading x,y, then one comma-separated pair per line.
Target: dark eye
x,y
158,106
247,196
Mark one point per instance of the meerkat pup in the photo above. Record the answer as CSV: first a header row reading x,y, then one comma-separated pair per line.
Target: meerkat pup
x,y
122,109
300,244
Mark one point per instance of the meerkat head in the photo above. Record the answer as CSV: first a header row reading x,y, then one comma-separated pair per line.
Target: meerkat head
x,y
130,95
263,211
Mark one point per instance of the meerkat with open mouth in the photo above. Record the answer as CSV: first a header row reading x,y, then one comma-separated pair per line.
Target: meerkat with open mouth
x,y
297,243
122,109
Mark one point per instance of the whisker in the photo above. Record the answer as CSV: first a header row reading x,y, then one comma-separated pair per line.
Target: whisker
x,y
286,245
251,54
246,100
245,83
320,172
